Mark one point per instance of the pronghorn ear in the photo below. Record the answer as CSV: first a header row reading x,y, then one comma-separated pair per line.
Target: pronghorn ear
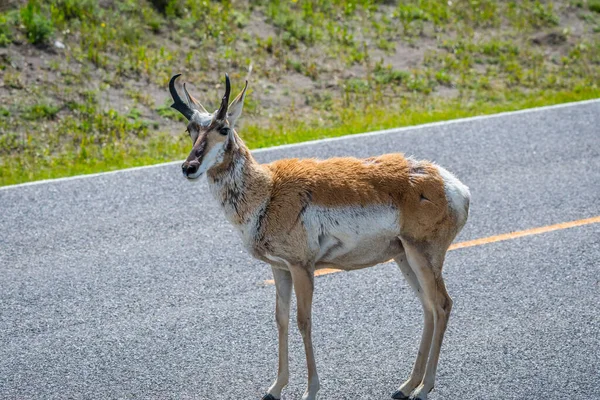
x,y
193,102
235,108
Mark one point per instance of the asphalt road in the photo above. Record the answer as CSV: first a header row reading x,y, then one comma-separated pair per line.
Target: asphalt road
x,y
133,285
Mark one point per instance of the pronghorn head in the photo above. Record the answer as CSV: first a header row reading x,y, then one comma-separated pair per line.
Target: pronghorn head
x,y
211,134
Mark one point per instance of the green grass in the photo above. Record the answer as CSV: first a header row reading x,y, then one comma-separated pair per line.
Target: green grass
x,y
91,157
321,68
407,114
594,5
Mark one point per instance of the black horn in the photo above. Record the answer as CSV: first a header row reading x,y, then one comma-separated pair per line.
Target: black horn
x,y
179,104
222,113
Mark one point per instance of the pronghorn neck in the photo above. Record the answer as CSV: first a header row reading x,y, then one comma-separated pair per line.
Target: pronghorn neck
x,y
238,183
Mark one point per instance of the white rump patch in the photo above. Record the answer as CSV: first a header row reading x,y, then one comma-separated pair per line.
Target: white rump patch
x,y
457,193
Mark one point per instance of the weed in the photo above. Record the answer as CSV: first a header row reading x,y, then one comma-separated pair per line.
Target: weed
x,y
134,114
420,83
320,101
357,85
41,111
386,75
443,78
5,31
5,40
38,26
141,97
386,45
153,21
63,11
543,14
167,112
294,65
13,80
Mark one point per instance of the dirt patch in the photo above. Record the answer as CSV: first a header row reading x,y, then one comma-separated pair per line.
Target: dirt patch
x,y
549,39
259,27
405,57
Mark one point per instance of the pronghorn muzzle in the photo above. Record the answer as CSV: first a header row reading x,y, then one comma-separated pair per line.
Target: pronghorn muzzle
x,y
191,165
190,169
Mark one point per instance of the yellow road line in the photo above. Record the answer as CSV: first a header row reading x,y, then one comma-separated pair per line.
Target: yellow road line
x,y
527,232
492,239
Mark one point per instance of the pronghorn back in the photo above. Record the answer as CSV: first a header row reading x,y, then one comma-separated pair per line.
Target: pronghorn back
x,y
415,188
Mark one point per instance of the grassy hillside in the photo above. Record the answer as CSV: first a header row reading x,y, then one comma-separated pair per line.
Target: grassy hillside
x,y
83,85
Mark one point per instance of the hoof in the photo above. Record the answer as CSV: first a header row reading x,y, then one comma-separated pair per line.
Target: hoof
x,y
269,397
398,395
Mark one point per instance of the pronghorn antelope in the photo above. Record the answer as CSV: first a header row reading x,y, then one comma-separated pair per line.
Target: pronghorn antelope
x,y
343,213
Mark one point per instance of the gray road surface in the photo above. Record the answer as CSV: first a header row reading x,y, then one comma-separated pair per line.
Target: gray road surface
x,y
132,285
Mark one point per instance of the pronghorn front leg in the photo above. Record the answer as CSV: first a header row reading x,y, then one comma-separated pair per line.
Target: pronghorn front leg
x,y
283,287
303,278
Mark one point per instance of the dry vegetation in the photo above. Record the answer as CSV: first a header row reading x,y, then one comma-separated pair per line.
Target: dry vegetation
x,y
83,85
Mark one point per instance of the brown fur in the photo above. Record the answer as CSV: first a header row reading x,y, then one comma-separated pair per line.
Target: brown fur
x,y
414,187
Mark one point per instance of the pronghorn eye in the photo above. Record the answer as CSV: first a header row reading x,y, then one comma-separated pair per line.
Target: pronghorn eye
x,y
224,131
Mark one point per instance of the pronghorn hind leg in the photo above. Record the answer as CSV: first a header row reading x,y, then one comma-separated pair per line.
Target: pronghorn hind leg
x,y
418,371
304,280
426,261
283,287
444,307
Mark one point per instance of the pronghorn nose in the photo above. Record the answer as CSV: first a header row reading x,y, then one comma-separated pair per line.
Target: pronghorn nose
x,y
190,168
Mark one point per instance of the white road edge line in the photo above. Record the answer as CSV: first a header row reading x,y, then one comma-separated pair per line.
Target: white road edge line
x,y
333,139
